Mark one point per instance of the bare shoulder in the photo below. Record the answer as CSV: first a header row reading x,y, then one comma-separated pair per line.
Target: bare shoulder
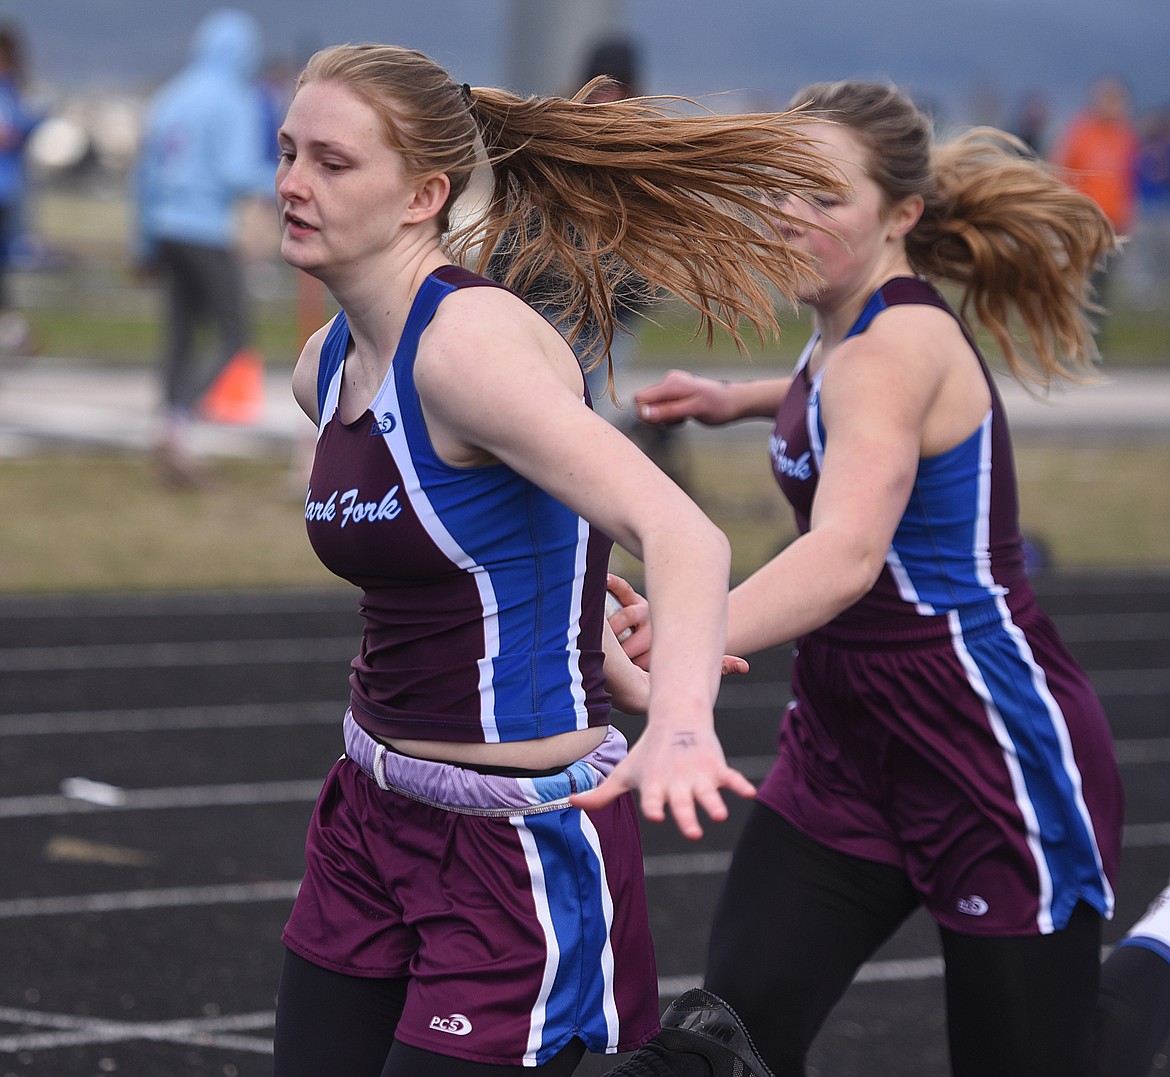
x,y
911,341
491,373
489,336
913,370
474,312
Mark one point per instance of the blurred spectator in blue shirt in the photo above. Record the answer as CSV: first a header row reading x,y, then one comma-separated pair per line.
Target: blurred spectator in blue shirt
x,y
1147,257
16,124
203,152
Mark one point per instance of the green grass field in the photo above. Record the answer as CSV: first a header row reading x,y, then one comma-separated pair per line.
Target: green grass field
x,y
83,521
101,522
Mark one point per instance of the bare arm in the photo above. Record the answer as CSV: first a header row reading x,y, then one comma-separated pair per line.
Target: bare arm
x,y
497,384
681,395
879,395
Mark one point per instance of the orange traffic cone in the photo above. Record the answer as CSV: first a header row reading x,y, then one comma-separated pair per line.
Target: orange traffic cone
x,y
237,395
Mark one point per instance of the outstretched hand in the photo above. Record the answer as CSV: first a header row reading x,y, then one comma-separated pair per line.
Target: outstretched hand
x,y
681,395
674,769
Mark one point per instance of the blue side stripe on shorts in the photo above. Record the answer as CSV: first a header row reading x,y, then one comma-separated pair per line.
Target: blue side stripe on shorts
x,y
576,1004
1032,721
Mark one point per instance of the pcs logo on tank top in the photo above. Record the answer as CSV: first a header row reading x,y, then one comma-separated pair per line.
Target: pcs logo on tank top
x,y
384,425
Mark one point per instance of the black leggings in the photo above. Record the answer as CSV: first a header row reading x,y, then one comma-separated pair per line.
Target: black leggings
x,y
796,920
330,1025
1133,1011
203,284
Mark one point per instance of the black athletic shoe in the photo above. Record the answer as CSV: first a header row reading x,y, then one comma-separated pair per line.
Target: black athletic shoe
x,y
701,1023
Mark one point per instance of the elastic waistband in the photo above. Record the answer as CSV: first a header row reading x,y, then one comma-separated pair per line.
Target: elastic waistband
x,y
468,792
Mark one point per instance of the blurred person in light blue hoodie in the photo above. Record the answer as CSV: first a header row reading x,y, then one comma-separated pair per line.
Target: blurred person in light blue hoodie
x,y
17,123
203,152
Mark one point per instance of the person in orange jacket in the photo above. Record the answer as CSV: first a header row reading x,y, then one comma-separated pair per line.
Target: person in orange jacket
x,y
1098,152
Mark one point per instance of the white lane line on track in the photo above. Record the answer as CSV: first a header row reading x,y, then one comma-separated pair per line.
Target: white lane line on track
x,y
901,970
1141,835
892,971
1112,627
209,1032
114,656
754,767
774,695
202,604
1133,752
216,1032
1142,750
166,655
187,796
175,897
74,1031
1145,835
1131,682
166,719
322,712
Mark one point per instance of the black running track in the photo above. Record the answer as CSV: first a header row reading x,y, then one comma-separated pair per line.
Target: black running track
x,y
159,755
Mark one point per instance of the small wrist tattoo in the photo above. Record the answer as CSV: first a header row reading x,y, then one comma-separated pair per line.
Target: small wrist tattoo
x,y
684,740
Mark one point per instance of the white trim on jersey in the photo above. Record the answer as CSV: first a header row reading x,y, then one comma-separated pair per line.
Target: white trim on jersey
x,y
981,549
573,636
332,396
429,519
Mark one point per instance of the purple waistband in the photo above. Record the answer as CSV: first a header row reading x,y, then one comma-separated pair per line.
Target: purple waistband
x,y
468,792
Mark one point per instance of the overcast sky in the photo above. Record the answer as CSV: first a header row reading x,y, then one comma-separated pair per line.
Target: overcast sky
x,y
954,52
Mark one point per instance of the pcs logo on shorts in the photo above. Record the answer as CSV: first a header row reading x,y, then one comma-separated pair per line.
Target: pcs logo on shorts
x,y
455,1025
973,905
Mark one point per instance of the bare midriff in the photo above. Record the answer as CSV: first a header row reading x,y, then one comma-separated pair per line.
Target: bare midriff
x,y
542,754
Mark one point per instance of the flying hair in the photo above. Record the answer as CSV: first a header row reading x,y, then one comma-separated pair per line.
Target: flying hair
x,y
609,199
1020,244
